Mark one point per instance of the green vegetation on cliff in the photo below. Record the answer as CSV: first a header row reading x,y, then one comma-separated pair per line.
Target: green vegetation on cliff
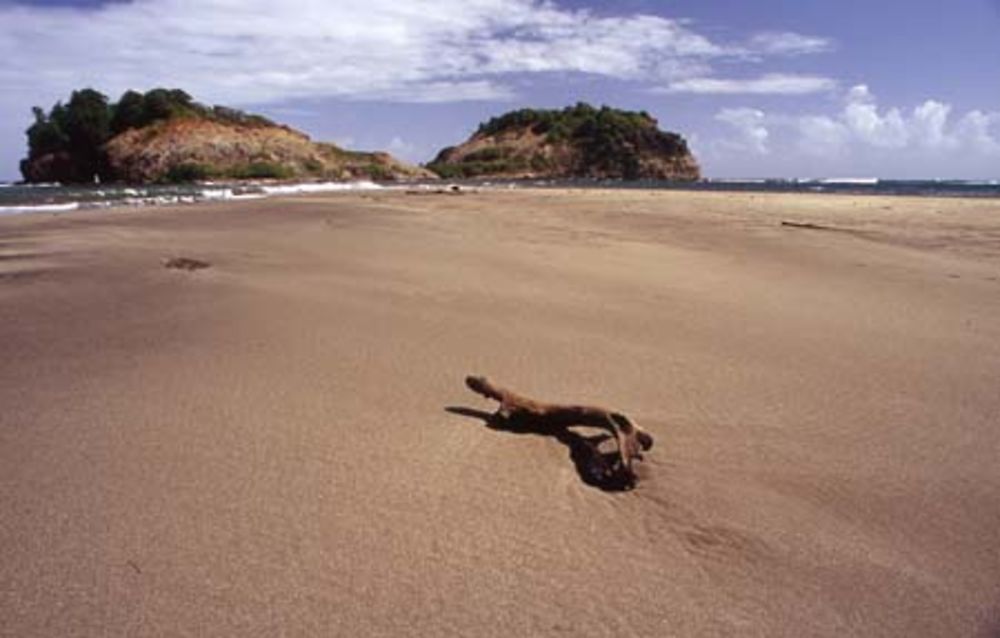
x,y
577,141
579,120
71,137
165,136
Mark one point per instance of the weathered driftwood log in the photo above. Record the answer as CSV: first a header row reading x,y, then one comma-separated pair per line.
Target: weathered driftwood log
x,y
185,263
632,440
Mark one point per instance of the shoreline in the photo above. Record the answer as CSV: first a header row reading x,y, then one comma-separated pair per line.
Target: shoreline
x,y
139,196
155,195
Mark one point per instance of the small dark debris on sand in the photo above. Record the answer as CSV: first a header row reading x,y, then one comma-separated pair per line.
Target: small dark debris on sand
x,y
829,229
453,189
185,263
805,225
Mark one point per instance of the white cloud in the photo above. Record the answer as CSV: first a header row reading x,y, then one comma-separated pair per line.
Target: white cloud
x,y
256,51
785,43
439,91
860,93
928,125
397,144
748,126
862,116
980,132
770,84
344,141
821,136
405,150
623,47
863,135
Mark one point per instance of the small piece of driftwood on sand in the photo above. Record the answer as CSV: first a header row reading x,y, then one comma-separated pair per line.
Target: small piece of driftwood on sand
x,y
514,408
807,225
185,263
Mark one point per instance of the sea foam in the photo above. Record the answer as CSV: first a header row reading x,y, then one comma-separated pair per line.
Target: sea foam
x,y
75,198
40,208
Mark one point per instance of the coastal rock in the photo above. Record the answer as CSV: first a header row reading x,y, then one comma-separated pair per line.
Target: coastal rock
x,y
165,136
575,142
190,149
50,167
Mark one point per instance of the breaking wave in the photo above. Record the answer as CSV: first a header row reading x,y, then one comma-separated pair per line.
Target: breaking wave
x,y
54,198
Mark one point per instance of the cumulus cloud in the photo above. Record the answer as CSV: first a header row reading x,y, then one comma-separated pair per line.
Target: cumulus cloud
x,y
747,129
862,125
927,126
769,84
887,130
821,135
404,149
979,131
259,51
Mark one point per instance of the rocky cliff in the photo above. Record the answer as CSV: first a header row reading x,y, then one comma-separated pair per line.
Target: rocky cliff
x,y
192,149
578,141
165,136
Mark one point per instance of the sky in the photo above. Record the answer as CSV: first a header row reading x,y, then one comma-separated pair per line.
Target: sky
x,y
768,88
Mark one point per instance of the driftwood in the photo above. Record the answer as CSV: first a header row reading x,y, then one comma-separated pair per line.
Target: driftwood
x,y
806,225
811,226
185,263
514,408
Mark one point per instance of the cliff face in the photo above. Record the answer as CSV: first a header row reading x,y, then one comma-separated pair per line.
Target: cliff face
x,y
578,141
184,149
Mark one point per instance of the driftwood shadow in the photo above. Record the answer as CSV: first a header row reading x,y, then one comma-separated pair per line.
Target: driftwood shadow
x,y
596,468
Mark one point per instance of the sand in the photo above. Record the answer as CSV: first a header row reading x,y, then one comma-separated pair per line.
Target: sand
x,y
263,447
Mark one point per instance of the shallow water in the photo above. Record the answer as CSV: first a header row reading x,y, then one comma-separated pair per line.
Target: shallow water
x,y
35,198
851,185
40,198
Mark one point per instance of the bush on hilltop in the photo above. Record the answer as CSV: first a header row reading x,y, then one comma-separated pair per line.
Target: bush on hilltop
x,y
73,134
579,140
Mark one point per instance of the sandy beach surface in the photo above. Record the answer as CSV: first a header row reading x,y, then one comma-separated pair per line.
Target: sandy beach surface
x,y
264,447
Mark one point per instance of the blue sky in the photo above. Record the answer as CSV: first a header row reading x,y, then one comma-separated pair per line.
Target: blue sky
x,y
793,88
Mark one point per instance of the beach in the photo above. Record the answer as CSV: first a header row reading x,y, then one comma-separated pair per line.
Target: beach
x,y
281,443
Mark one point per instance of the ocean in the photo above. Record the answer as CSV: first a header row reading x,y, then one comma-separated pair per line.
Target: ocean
x,y
851,186
54,198
41,198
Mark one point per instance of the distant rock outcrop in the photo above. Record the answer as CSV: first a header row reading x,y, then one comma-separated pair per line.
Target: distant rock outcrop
x,y
578,141
164,136
180,150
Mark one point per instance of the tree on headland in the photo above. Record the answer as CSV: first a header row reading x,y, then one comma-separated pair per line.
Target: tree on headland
x,y
88,119
67,144
162,104
88,127
70,137
46,134
128,113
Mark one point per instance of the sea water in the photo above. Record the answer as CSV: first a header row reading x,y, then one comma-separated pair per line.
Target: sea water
x,y
844,185
55,198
